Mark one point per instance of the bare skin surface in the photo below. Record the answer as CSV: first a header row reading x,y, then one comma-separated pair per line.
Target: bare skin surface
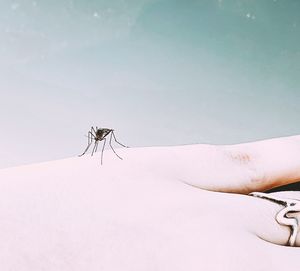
x,y
147,212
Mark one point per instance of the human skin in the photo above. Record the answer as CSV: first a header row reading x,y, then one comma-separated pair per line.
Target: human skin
x,y
239,168
150,211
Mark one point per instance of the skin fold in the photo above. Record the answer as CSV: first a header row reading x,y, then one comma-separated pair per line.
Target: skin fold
x,y
160,208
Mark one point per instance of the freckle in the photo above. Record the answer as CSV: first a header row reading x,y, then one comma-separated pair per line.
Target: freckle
x,y
241,157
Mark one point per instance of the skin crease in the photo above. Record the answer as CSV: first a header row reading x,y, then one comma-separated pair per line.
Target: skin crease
x,y
150,211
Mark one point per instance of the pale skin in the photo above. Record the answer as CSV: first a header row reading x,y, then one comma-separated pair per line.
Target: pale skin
x,y
157,209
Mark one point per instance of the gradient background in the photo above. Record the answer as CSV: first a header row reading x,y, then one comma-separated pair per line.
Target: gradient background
x,y
160,72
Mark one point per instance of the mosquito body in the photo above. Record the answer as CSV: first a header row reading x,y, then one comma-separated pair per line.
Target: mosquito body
x,y
95,135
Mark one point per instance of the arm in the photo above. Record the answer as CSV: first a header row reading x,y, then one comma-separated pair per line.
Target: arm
x,y
276,161
240,168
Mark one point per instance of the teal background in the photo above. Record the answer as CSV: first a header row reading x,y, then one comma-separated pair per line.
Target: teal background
x,y
159,72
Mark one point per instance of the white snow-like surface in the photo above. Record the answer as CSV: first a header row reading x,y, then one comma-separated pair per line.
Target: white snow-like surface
x,y
130,214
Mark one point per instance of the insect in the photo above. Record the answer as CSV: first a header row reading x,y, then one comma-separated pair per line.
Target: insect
x,y
99,134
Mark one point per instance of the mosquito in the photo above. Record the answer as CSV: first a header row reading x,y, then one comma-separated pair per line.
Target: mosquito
x,y
99,134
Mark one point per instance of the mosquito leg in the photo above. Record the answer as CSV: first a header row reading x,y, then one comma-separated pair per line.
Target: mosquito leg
x,y
90,140
95,145
88,146
93,130
117,140
102,151
91,136
113,148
